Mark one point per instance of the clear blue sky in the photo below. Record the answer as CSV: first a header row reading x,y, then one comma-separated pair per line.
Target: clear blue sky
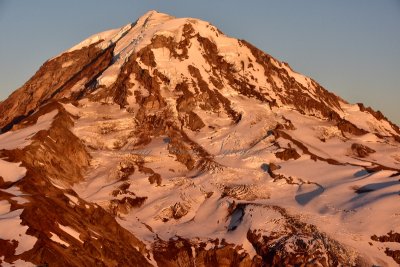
x,y
352,47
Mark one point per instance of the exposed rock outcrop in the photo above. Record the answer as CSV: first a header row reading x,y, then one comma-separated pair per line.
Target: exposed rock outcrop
x,y
166,142
51,208
361,151
55,80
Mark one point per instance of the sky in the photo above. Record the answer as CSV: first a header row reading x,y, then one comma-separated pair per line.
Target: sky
x,y
352,48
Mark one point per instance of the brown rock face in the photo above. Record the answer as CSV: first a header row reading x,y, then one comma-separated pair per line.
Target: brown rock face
x,y
390,237
91,197
297,97
194,122
348,127
289,153
378,115
183,252
306,245
54,81
49,207
7,248
361,151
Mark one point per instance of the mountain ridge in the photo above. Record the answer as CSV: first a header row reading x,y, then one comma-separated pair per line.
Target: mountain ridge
x,y
246,163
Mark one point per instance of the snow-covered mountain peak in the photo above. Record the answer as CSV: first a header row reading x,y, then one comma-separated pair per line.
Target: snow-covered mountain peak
x,y
165,142
155,15
107,38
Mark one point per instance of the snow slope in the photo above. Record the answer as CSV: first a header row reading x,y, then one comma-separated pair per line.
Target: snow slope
x,y
203,145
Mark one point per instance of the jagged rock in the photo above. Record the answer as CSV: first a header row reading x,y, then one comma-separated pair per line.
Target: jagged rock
x,y
286,154
390,237
361,151
182,252
167,127
194,122
53,81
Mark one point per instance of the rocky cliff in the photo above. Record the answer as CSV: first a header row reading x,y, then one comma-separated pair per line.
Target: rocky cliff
x,y
168,143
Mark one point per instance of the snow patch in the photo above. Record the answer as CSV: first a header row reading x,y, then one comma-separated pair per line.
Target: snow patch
x,y
57,239
22,138
70,231
4,206
18,263
71,109
11,228
11,172
72,198
67,64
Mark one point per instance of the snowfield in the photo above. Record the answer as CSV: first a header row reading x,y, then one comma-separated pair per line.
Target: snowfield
x,y
195,141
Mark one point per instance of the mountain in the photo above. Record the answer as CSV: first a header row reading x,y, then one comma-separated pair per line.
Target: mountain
x,y
167,143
